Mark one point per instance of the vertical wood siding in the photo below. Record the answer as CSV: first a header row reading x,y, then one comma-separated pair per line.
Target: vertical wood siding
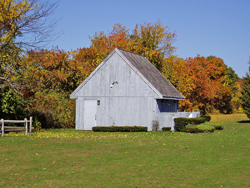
x,y
116,69
78,115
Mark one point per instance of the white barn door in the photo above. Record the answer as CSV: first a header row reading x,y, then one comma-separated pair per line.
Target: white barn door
x,y
89,119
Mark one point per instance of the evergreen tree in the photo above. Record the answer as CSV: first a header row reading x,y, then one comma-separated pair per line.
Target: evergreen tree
x,y
245,98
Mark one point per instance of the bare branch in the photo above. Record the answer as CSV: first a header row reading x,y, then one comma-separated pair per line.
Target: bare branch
x,y
24,24
32,26
11,84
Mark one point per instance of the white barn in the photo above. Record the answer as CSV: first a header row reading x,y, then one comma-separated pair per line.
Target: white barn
x,y
125,90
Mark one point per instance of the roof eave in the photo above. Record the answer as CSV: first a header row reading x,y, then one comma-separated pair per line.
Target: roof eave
x,y
172,98
73,94
73,97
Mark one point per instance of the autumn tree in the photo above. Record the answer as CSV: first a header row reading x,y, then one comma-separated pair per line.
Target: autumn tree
x,y
175,70
23,24
227,99
103,43
203,81
203,90
154,36
152,40
84,61
49,77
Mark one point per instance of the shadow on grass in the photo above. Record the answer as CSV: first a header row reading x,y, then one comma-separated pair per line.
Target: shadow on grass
x,y
244,121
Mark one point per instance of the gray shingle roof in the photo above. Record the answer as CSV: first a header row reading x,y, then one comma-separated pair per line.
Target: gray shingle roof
x,y
152,74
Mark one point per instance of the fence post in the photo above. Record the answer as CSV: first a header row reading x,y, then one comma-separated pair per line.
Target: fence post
x,y
172,122
30,125
26,126
2,122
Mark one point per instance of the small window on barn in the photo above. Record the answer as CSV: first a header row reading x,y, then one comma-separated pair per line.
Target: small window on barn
x,y
165,105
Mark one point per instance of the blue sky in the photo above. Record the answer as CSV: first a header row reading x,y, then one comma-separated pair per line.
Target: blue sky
x,y
207,27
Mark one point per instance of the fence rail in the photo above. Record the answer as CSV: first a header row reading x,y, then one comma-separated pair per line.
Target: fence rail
x,y
12,128
166,119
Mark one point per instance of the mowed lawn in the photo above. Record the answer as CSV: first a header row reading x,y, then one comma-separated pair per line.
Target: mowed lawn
x,y
69,158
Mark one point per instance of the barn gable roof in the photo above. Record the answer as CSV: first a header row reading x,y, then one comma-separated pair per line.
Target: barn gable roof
x,y
146,70
152,74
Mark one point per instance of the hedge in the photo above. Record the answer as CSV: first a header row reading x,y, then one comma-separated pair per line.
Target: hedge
x,y
199,128
166,129
206,128
120,129
180,123
192,128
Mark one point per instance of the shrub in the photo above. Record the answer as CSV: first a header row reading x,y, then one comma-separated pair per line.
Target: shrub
x,y
198,120
208,118
166,129
180,123
37,125
120,129
53,109
192,128
206,128
217,126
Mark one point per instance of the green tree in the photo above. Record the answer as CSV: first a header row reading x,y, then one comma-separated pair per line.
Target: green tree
x,y
9,68
12,106
245,98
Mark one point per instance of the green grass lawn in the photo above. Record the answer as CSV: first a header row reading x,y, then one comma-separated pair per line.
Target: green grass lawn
x,y
69,158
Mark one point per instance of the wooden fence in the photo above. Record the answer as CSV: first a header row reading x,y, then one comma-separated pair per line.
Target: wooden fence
x,y
12,128
166,119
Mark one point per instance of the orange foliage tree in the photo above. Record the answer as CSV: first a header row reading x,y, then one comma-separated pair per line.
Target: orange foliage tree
x,y
49,76
175,70
203,81
152,40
